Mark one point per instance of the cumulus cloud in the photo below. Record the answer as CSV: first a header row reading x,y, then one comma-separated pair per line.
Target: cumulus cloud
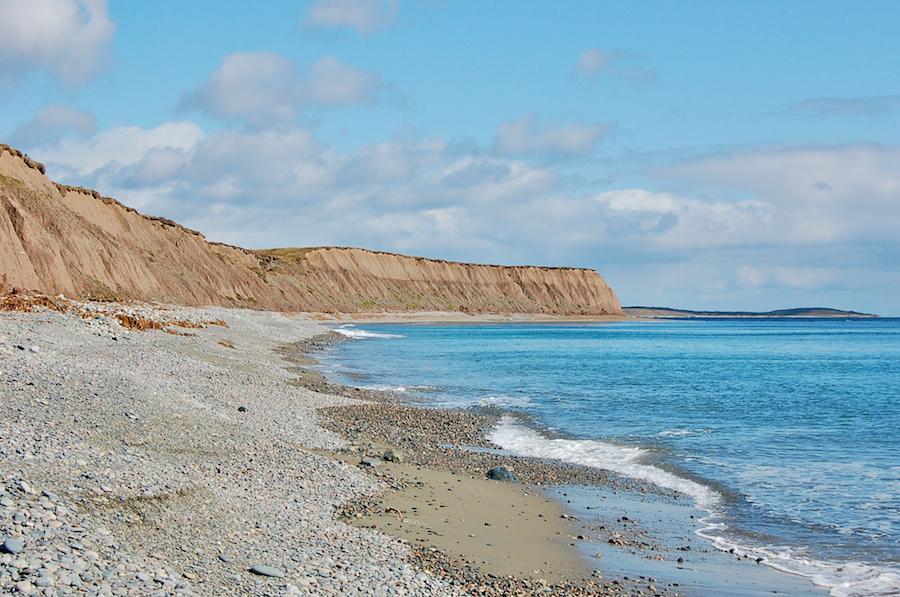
x,y
628,67
711,232
595,62
53,122
666,221
99,161
803,278
841,107
789,223
263,88
524,136
831,193
764,228
365,16
259,187
70,39
773,200
332,83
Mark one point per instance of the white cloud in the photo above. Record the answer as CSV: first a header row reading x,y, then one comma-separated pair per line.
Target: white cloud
x,y
264,88
806,278
733,226
70,39
817,194
334,83
595,63
764,200
249,85
796,278
782,200
100,161
263,187
53,122
524,136
750,277
663,221
365,16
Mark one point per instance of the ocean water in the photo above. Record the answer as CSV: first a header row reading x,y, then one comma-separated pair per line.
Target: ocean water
x,y
783,432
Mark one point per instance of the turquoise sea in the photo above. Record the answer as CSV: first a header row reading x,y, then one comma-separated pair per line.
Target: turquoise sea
x,y
784,432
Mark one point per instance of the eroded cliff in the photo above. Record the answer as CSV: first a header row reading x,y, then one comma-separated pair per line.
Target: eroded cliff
x,y
58,239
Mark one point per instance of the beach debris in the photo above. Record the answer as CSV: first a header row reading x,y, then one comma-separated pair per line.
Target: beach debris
x,y
501,473
392,455
617,539
399,513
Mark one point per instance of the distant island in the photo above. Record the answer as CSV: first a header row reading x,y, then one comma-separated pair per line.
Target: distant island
x,y
667,313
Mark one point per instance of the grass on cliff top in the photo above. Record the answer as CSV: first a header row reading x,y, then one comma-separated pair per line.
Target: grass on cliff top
x,y
289,253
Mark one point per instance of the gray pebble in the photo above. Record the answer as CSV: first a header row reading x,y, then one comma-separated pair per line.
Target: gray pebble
x,y
257,486
264,570
13,545
501,473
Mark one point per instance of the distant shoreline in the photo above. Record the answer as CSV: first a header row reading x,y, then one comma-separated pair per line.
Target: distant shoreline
x,y
801,312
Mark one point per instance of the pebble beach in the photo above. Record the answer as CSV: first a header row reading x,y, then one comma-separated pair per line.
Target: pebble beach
x,y
167,451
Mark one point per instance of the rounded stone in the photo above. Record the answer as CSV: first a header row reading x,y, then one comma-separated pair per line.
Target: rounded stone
x,y
501,473
264,570
13,545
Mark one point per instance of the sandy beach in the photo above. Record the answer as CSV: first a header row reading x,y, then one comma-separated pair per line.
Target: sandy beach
x,y
193,458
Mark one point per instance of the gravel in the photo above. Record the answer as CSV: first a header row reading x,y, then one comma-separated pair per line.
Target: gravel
x,y
154,450
126,467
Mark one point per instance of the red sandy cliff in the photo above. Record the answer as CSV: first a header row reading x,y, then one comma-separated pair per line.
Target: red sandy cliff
x,y
58,239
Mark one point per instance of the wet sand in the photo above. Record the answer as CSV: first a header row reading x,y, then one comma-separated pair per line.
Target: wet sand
x,y
501,528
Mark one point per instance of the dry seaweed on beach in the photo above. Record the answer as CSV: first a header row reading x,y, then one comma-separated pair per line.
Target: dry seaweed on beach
x,y
131,317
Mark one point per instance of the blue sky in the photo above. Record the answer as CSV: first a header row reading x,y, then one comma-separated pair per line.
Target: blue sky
x,y
703,155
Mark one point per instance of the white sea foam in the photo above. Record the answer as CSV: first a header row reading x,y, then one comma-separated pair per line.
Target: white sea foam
x,y
506,401
387,388
843,580
678,432
674,432
626,461
852,579
350,331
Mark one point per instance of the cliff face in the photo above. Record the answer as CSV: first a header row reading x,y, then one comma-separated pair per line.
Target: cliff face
x,y
58,239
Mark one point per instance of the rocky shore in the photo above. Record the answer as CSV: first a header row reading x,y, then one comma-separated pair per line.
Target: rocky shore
x,y
163,451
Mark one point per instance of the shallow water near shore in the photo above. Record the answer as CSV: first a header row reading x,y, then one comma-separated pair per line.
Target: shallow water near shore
x,y
782,432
